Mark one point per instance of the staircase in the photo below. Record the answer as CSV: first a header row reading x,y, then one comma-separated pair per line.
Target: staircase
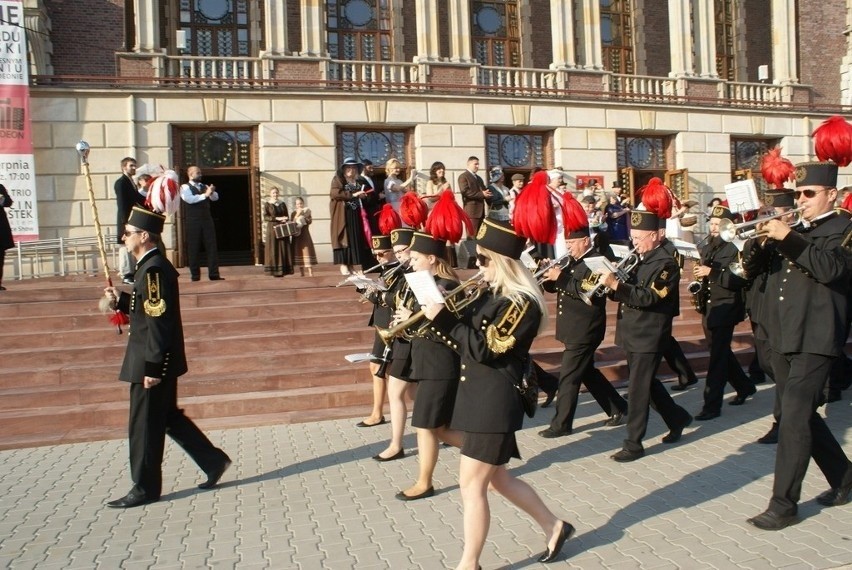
x,y
261,351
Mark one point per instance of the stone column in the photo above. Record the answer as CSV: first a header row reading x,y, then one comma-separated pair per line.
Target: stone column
x,y
275,26
147,22
428,42
460,40
313,28
705,39
680,38
784,42
562,34
593,57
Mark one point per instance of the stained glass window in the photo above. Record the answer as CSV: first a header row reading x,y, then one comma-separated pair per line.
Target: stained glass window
x,y
496,29
216,148
521,151
617,36
359,30
724,20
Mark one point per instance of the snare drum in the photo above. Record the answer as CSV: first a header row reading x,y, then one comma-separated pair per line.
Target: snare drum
x,y
287,229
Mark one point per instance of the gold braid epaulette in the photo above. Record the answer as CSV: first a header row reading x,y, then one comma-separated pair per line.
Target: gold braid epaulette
x,y
499,336
154,305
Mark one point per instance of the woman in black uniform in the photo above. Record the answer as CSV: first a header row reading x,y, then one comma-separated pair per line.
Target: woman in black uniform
x,y
493,338
435,367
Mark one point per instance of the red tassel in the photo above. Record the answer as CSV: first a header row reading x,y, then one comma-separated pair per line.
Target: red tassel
x,y
574,214
389,220
833,141
118,318
413,210
534,217
447,220
776,169
657,198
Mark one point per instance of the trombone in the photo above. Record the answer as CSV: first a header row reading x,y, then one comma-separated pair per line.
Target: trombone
x,y
729,231
471,289
622,272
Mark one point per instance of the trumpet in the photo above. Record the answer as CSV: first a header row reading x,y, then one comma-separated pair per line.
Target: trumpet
x,y
622,272
561,262
470,291
349,278
729,231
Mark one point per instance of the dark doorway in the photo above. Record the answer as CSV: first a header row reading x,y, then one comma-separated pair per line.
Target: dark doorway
x,y
232,217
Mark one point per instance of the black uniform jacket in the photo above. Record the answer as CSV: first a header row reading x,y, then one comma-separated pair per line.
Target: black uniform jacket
x,y
723,290
431,357
647,303
155,341
381,315
493,338
807,291
679,259
578,324
126,196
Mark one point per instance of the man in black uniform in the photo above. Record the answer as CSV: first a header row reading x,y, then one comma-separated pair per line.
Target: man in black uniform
x,y
581,328
722,308
126,196
808,291
647,305
154,360
200,230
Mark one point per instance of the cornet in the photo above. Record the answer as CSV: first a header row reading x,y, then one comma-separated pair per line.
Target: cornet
x,y
561,263
729,231
622,273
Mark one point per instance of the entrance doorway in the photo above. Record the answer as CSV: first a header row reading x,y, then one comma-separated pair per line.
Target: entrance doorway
x,y
232,217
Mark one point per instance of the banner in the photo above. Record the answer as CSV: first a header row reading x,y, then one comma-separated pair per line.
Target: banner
x,y
17,172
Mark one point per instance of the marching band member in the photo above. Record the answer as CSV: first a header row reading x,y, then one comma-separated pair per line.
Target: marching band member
x,y
808,295
580,327
723,308
493,337
435,368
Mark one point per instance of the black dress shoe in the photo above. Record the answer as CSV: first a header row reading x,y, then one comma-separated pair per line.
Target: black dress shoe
x,y
707,415
625,455
771,436
214,476
217,278
564,534
616,419
424,495
768,520
131,499
835,497
680,387
674,434
398,455
550,433
365,424
740,399
548,400
196,278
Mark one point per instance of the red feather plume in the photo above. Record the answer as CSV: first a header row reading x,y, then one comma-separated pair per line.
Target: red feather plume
x,y
447,219
847,203
776,169
413,210
833,141
388,220
657,198
534,217
574,214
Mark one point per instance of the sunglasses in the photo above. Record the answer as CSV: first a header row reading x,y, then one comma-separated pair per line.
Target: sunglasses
x,y
807,193
482,260
128,233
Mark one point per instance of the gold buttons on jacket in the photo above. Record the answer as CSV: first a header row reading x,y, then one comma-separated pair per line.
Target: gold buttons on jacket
x,y
462,378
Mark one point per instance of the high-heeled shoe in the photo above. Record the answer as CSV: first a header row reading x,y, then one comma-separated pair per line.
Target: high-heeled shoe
x,y
564,534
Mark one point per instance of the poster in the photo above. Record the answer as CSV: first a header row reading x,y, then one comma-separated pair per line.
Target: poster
x,y
17,172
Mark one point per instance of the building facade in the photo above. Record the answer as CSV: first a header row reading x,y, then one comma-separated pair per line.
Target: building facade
x,y
264,93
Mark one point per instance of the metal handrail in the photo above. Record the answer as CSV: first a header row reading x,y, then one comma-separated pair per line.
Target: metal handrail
x,y
60,256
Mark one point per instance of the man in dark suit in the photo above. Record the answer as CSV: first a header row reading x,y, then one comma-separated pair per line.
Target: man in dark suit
x,y
126,196
200,230
807,294
474,193
153,361
723,308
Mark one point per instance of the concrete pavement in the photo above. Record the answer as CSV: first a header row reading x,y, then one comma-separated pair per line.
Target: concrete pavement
x,y
307,496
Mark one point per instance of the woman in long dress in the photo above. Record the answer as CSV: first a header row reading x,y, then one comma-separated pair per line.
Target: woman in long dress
x,y
306,255
350,228
278,253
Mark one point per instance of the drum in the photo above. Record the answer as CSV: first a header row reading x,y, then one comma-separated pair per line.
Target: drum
x,y
287,229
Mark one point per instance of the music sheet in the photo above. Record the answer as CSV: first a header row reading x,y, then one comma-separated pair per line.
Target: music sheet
x,y
742,196
425,289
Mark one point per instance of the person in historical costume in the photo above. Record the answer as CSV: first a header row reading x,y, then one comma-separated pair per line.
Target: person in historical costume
x,y
492,336
498,203
350,228
303,244
395,187
278,253
154,360
200,228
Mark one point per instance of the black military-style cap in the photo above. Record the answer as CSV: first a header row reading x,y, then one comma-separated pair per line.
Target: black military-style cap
x,y
779,198
722,212
146,220
401,236
381,243
499,237
816,174
427,245
644,220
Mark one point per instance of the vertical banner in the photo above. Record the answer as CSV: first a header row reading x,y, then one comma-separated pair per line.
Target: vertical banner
x,y
17,171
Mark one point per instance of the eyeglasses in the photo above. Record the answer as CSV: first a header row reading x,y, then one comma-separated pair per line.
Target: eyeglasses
x,y
807,193
128,233
400,250
482,260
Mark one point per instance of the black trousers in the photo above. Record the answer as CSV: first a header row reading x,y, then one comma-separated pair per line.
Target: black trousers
x,y
153,415
677,361
722,368
645,391
2,261
201,231
578,366
802,433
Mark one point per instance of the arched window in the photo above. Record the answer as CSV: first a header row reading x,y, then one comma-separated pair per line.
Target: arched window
x,y
617,36
216,28
495,31
359,30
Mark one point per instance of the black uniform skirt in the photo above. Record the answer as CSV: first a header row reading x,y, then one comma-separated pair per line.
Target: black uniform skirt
x,y
400,366
433,406
491,448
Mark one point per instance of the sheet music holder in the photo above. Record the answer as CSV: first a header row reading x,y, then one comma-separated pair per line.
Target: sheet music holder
x,y
742,196
686,249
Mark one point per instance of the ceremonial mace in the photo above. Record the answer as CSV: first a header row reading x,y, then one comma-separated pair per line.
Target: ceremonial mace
x,y
117,317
